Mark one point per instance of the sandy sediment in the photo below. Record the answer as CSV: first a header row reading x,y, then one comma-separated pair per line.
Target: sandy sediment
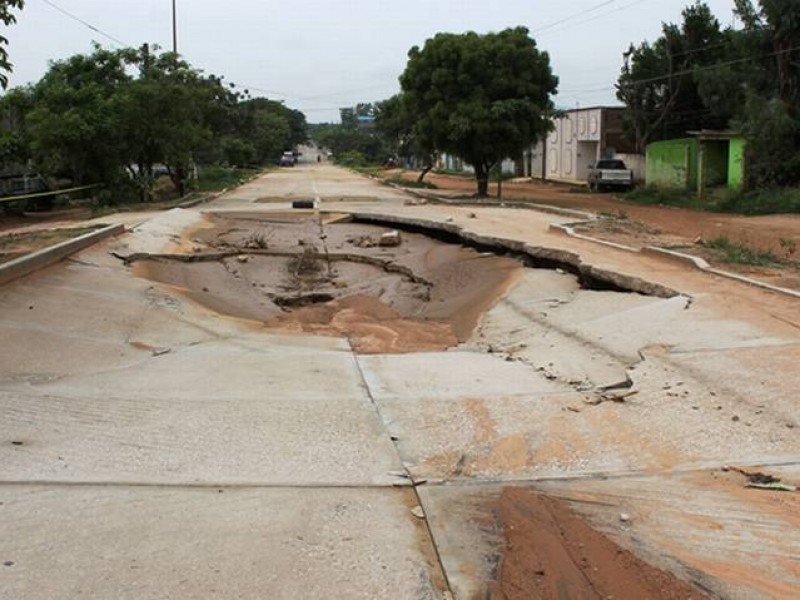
x,y
423,295
551,553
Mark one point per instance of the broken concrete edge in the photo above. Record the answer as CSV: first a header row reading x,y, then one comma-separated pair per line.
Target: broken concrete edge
x,y
45,257
570,261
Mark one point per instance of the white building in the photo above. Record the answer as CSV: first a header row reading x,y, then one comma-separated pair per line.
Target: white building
x,y
580,137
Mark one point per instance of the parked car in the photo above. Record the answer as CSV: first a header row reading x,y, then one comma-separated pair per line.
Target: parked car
x,y
610,173
287,160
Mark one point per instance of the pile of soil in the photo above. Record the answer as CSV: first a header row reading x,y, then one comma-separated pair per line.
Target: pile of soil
x,y
296,275
551,553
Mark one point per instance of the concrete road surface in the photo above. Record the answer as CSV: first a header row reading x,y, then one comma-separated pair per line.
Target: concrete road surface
x,y
153,448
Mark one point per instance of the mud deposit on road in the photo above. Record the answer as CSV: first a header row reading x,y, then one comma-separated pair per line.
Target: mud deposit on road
x,y
551,553
334,278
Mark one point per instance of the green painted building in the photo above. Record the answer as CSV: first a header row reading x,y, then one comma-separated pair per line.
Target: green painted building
x,y
706,160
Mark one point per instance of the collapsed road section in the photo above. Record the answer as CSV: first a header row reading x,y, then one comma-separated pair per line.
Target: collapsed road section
x,y
386,290
591,387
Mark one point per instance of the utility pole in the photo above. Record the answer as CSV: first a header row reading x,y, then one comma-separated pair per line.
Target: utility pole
x,y
174,28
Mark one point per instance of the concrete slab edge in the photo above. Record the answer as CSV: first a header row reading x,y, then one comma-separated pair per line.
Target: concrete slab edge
x,y
45,257
541,254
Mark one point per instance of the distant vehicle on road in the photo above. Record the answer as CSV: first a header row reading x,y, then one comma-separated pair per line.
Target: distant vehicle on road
x,y
611,173
287,160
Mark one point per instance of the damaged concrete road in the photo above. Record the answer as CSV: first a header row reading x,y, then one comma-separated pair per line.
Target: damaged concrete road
x,y
245,401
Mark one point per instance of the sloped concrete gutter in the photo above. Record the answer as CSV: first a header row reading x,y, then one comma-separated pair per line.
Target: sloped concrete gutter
x,y
45,257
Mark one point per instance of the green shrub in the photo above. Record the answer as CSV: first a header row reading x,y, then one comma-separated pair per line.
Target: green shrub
x,y
759,202
351,158
216,178
663,195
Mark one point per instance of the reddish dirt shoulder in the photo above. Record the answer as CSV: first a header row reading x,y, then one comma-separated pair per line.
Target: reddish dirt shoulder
x,y
551,553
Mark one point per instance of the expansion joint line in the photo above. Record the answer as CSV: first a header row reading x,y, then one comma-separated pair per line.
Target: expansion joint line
x,y
413,486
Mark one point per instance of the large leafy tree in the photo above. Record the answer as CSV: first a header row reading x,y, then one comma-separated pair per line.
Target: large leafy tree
x,y
770,113
7,17
482,98
73,125
700,76
162,117
92,117
660,83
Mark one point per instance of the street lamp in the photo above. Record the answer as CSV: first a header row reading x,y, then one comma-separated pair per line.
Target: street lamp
x,y
174,28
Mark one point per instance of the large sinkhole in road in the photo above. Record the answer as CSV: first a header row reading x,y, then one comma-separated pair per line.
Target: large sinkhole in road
x,y
331,276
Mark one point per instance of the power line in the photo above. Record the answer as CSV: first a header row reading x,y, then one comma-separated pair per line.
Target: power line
x,y
85,24
570,17
600,16
683,72
712,67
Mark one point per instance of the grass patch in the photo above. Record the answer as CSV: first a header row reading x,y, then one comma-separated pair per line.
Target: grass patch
x,y
741,254
665,196
759,202
215,179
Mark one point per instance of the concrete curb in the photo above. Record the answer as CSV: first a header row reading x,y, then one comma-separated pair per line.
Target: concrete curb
x,y
686,259
678,257
570,232
45,257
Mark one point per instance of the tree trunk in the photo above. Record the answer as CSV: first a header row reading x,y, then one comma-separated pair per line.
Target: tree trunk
x,y
425,170
482,177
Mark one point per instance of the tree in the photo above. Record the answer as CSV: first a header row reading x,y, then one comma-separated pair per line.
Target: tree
x,y
162,117
770,116
395,122
659,82
8,18
73,127
482,98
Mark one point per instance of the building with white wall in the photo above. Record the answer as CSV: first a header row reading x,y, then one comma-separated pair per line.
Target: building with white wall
x,y
580,137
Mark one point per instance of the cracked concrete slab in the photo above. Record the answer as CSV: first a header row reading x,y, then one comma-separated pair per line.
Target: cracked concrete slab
x,y
273,440
723,548
450,375
148,543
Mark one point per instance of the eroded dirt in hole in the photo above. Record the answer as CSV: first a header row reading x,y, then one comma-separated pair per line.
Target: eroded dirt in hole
x,y
300,275
551,553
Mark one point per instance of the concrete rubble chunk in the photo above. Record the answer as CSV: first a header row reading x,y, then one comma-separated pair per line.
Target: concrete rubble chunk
x,y
390,239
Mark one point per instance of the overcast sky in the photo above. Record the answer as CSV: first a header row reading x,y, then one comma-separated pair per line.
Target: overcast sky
x,y
319,55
